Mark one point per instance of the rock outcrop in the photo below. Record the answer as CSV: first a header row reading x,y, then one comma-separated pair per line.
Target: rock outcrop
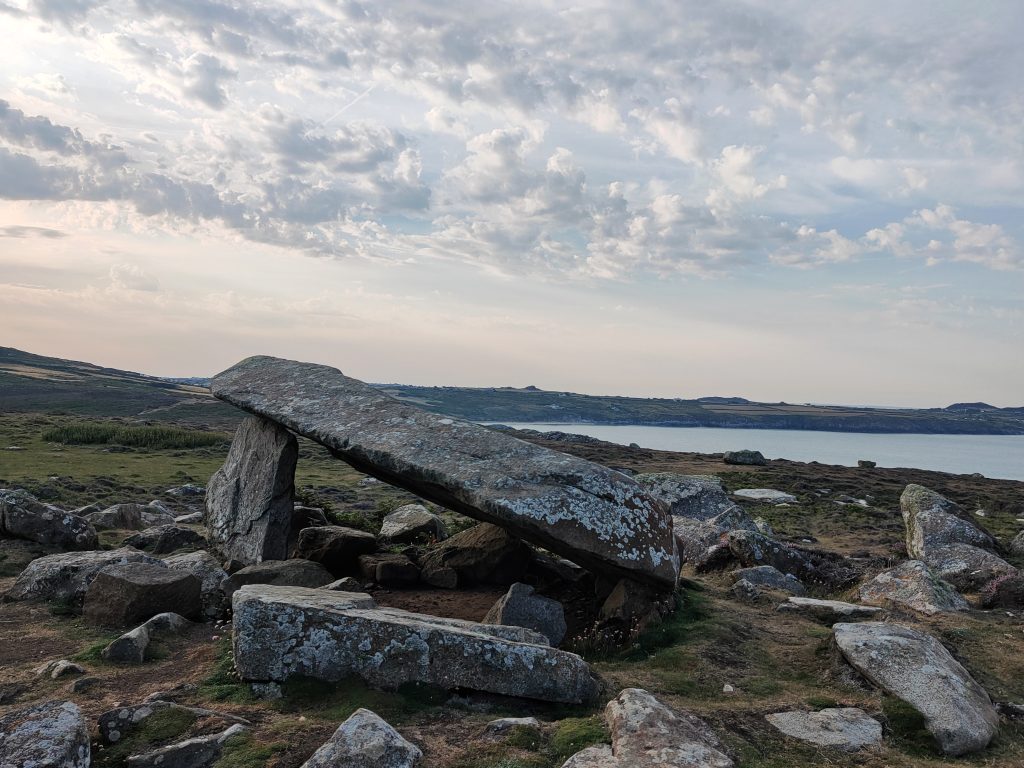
x,y
940,534
916,668
22,516
520,607
249,502
123,595
282,632
365,741
588,513
844,728
912,585
412,523
648,734
65,577
130,517
698,497
50,735
752,549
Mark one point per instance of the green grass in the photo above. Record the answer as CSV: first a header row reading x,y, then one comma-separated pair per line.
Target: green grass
x,y
243,751
113,433
156,730
336,701
223,683
906,728
576,733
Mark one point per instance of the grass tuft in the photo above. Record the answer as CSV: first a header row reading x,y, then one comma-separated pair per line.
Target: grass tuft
x,y
156,437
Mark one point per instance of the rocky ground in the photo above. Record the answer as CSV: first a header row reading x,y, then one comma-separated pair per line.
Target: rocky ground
x,y
727,655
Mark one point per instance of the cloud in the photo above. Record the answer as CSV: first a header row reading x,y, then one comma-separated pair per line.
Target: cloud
x,y
133,278
17,231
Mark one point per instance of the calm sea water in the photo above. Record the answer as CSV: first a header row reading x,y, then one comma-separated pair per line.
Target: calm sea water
x,y
999,456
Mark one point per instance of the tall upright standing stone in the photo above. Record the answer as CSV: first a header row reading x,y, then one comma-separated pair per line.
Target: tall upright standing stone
x,y
249,500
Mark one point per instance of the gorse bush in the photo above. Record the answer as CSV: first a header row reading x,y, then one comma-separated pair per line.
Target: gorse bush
x,y
97,433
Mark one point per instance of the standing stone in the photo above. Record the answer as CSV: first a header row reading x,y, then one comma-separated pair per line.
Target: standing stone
x,y
912,585
365,741
50,735
699,497
590,514
66,576
520,607
123,595
845,728
249,503
22,516
915,667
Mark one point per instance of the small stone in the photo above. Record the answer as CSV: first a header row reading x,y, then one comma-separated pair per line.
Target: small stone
x,y
866,464
413,523
503,725
365,741
64,668
284,573
847,729
131,647
912,585
164,539
772,578
347,584
134,517
389,570
764,495
744,458
199,752
83,684
335,547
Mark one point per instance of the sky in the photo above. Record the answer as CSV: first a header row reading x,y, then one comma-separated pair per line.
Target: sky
x,y
799,201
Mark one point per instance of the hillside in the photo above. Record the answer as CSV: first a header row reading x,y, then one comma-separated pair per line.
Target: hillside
x,y
35,384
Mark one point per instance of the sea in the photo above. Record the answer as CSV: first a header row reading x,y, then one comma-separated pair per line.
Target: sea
x,y
996,456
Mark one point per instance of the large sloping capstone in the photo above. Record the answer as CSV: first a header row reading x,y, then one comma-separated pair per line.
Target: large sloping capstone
x,y
588,513
282,632
249,503
915,667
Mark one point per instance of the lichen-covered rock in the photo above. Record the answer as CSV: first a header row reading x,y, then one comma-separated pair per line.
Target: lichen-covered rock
x,y
116,724
164,539
483,554
588,513
365,741
50,735
123,595
335,547
520,607
827,611
770,577
131,647
249,503
744,458
934,521
198,752
22,516
282,573
967,567
844,728
752,549
65,577
1016,546
346,584
916,668
647,733
281,632
413,523
912,585
130,517
502,726
699,497
204,567
188,489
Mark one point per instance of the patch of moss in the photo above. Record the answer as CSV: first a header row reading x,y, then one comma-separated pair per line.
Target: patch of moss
x,y
162,727
223,683
821,702
243,751
500,756
525,737
576,733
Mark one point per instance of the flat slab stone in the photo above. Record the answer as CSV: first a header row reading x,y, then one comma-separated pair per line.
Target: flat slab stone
x,y
766,495
916,668
588,513
828,610
846,728
281,632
